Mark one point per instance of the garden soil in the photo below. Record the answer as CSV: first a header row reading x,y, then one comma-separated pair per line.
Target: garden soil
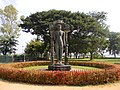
x,y
5,85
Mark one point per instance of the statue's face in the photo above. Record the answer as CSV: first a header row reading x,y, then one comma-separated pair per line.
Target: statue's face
x,y
59,27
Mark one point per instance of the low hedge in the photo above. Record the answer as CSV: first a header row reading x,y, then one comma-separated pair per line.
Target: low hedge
x,y
27,64
109,73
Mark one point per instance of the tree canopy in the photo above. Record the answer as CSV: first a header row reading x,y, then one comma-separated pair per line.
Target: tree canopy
x,y
114,43
87,33
9,30
35,49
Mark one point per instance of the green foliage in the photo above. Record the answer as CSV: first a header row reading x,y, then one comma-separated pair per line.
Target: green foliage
x,y
99,16
114,43
7,45
99,33
110,73
35,48
88,31
9,30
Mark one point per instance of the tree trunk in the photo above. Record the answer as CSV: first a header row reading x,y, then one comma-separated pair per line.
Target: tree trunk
x,y
114,55
102,55
76,54
70,55
91,55
83,55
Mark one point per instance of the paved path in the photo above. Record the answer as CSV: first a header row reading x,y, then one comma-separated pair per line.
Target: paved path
x,y
4,85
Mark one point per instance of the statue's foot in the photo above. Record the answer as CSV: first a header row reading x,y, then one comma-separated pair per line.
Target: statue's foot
x,y
59,63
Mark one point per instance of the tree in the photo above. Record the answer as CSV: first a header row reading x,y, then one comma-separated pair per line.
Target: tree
x,y
7,45
99,16
114,43
103,47
89,31
89,37
9,30
98,32
35,48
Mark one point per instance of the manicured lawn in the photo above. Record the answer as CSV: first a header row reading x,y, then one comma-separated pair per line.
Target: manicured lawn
x,y
79,59
109,60
35,67
45,67
85,67
112,60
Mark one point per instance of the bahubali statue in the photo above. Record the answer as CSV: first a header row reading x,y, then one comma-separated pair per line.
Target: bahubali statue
x,y
58,33
59,43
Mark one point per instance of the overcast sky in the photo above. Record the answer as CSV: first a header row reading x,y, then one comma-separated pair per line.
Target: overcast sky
x,y
27,7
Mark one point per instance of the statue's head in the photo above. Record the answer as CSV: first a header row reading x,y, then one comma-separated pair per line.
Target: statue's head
x,y
58,27
58,22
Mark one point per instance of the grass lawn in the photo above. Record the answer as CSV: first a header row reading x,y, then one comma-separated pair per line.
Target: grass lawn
x,y
45,67
112,60
85,67
35,67
79,59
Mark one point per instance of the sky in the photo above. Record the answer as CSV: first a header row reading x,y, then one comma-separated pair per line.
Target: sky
x,y
27,7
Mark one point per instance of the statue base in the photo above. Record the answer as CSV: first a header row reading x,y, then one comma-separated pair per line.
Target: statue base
x,y
59,67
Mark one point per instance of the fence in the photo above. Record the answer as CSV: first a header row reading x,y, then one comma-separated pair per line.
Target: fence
x,y
18,58
5,59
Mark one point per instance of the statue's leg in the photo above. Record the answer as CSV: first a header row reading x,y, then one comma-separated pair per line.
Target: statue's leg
x,y
60,53
57,51
52,52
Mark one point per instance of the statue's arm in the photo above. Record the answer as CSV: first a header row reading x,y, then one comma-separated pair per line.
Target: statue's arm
x,y
64,39
53,36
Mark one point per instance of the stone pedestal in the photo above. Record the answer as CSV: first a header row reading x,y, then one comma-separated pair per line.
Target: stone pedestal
x,y
59,67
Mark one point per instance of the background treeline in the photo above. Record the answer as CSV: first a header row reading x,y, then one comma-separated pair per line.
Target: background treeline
x,y
89,33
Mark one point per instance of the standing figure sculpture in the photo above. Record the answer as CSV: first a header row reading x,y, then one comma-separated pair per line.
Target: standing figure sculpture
x,y
58,32
59,43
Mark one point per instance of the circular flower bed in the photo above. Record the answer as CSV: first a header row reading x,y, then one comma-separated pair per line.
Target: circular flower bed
x,y
13,72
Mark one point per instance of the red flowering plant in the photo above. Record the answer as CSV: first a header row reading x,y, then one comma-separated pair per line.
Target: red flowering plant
x,y
108,73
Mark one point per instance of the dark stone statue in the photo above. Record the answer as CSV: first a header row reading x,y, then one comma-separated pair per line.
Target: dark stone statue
x,y
58,41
